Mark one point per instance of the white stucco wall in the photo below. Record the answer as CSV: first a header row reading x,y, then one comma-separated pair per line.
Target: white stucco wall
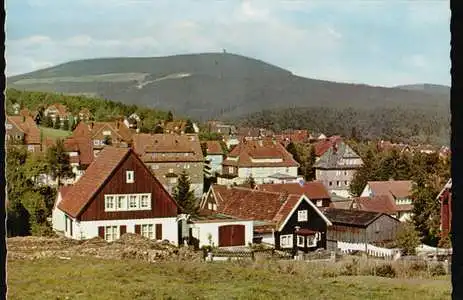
x,y
57,216
202,230
267,238
216,163
89,229
366,191
197,188
341,193
259,174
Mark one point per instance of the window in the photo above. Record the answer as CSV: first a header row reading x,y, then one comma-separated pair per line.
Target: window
x,y
147,230
338,183
144,202
286,241
30,148
214,206
111,233
96,142
130,176
121,202
311,241
319,203
186,166
133,202
300,241
330,183
230,169
109,203
173,180
106,132
346,182
155,167
302,216
209,206
171,170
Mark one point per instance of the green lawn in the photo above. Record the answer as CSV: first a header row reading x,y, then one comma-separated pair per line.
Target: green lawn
x,y
54,133
91,278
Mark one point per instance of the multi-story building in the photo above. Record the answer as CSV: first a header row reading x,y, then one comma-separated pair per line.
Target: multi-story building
x,y
23,130
168,155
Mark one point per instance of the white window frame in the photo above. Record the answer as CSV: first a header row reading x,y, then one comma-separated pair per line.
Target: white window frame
x,y
155,167
110,202
319,203
111,233
133,199
313,239
302,215
129,176
143,198
209,206
147,230
96,142
300,241
171,170
121,202
230,169
286,241
214,206
107,132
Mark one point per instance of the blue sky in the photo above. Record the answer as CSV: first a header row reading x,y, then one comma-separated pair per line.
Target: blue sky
x,y
373,42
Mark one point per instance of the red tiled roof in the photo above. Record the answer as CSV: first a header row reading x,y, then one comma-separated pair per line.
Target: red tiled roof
x,y
322,146
150,147
214,148
313,190
95,176
28,126
382,203
82,145
92,129
395,188
246,151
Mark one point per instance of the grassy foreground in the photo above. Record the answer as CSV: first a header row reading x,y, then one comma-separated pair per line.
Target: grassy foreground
x,y
92,278
54,133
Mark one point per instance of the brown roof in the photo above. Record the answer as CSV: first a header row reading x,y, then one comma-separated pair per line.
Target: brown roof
x,y
322,146
153,147
313,190
93,179
214,148
248,132
395,188
344,204
252,204
177,125
381,203
350,217
28,126
82,145
92,129
246,151
62,109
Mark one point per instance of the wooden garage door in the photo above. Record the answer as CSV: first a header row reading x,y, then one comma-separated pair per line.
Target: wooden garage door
x,y
231,235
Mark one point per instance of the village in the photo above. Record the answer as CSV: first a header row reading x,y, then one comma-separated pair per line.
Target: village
x,y
216,186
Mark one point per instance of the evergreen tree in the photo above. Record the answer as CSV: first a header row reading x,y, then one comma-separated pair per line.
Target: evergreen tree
x,y
158,129
250,181
309,163
66,125
184,195
57,124
189,128
291,148
48,122
58,162
407,239
170,116
107,140
364,174
425,210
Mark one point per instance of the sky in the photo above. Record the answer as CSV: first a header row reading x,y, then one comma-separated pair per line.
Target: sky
x,y
384,43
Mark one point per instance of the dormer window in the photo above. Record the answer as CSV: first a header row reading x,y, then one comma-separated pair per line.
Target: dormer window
x,y
129,177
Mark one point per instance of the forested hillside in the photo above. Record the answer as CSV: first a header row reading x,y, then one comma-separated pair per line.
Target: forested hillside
x,y
396,124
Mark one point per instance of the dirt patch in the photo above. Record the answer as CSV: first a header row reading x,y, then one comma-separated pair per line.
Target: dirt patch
x,y
129,246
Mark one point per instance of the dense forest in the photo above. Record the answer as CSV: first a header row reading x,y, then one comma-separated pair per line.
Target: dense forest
x,y
395,124
101,109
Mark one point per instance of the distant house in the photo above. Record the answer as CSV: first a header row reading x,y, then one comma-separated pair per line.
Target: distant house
x,y
247,134
379,203
231,141
168,155
85,115
80,151
336,168
223,129
214,156
445,201
23,130
260,159
398,192
323,145
117,194
177,127
295,136
57,110
103,134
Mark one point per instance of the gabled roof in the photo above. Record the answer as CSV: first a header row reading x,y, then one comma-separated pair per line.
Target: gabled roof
x,y
214,148
83,191
352,217
332,158
322,146
61,109
27,126
246,153
313,190
395,188
151,147
380,203
83,145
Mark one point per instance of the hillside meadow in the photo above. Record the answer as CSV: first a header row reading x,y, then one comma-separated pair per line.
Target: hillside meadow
x,y
93,278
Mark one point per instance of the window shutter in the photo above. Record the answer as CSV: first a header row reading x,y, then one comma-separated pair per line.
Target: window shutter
x,y
123,229
159,231
101,231
137,229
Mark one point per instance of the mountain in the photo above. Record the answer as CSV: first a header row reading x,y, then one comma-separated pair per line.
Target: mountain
x,y
213,85
427,88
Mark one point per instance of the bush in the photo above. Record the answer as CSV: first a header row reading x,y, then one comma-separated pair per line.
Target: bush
x,y
351,268
437,270
418,266
385,270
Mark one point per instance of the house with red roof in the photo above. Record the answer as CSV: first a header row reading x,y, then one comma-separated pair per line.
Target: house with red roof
x,y
24,130
80,151
265,160
214,156
399,193
56,111
117,194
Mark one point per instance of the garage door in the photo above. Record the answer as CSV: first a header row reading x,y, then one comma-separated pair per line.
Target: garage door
x,y
231,235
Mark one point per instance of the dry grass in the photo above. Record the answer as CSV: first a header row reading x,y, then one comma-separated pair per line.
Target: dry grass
x,y
92,278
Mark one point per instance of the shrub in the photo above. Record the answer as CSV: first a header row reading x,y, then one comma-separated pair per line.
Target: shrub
x,y
351,268
385,270
437,270
418,266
